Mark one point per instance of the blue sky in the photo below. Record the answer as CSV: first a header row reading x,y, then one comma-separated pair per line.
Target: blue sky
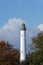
x,y
13,12
29,10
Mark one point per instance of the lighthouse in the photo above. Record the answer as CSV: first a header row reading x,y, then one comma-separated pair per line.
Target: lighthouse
x,y
22,42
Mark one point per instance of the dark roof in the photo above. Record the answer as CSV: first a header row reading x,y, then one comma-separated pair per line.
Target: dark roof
x,y
23,27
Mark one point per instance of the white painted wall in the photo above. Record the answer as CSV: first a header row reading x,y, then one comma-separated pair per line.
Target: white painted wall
x,y
22,45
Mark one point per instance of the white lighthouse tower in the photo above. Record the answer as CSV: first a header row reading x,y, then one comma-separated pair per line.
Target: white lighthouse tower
x,y
22,43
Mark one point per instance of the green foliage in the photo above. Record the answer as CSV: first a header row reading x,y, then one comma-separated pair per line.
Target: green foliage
x,y
38,40
36,58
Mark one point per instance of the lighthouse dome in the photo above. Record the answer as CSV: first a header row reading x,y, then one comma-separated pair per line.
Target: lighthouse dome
x,y
23,26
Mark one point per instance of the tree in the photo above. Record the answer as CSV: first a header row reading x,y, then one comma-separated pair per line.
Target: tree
x,y
36,58
38,41
8,54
